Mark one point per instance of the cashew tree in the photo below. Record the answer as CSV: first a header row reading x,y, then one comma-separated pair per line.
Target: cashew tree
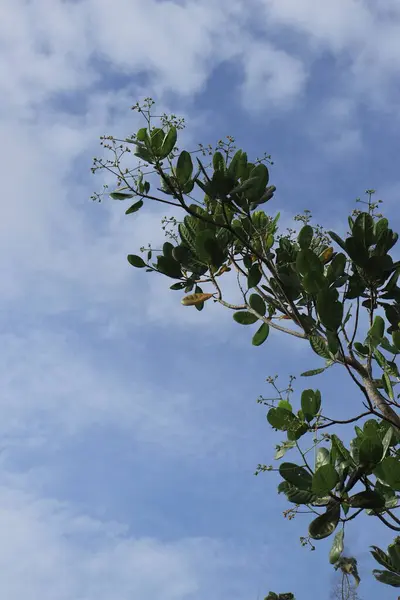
x,y
340,295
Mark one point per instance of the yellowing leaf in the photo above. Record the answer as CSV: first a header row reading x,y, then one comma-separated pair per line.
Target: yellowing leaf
x,y
193,299
326,255
223,269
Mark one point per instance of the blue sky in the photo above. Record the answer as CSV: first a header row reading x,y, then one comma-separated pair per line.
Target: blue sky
x,y
130,429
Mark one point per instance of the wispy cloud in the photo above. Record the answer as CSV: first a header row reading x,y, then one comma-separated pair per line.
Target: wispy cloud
x,y
85,336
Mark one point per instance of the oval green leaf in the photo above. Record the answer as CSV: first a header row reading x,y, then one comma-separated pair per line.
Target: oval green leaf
x,y
184,167
261,335
324,525
134,208
367,499
310,403
254,276
245,318
121,195
257,304
282,419
305,236
297,476
136,261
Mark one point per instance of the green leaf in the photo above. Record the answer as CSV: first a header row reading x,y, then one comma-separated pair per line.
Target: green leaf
x,y
371,428
357,252
324,525
305,236
361,349
168,143
184,167
178,286
319,346
261,176
169,266
308,263
142,135
234,165
156,139
257,304
136,261
387,438
283,448
336,268
394,554
322,458
313,372
121,195
376,332
333,341
337,239
168,249
388,493
387,577
261,335
296,496
208,249
218,161
337,547
297,432
387,384
330,310
324,479
282,419
246,186
245,318
134,208
144,154
388,471
356,286
381,228
254,276
285,404
340,449
396,339
297,476
310,403
382,558
367,499
363,229
370,451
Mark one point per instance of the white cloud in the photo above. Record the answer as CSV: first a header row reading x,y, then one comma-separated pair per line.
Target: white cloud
x,y
363,35
54,385
273,78
335,25
50,551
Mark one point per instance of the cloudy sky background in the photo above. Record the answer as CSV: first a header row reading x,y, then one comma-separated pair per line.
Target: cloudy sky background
x,y
129,427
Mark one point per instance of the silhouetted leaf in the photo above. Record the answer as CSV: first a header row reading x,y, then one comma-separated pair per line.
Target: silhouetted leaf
x,y
136,261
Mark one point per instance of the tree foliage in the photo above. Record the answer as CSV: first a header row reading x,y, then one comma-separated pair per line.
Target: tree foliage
x,y
311,284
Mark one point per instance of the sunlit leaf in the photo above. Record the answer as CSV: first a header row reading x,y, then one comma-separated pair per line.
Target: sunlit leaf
x,y
337,547
193,299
